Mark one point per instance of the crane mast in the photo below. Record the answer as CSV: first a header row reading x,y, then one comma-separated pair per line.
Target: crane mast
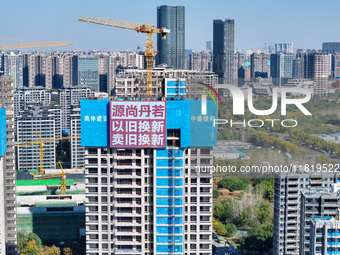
x,y
141,28
62,175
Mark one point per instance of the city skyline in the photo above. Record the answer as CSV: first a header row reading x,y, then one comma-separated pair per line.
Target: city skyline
x,y
292,22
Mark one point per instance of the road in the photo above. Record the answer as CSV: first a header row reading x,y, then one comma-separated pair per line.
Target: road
x,y
334,159
221,249
285,137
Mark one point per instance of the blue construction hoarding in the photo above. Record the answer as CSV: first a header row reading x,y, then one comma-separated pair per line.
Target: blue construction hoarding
x,y
94,123
3,132
196,130
202,130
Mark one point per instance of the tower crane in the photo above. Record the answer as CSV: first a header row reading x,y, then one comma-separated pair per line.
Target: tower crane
x,y
141,28
41,142
62,175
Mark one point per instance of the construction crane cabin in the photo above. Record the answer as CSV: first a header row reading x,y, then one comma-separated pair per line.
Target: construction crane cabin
x,y
141,28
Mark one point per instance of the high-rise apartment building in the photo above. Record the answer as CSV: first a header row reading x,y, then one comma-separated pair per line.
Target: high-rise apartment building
x,y
30,95
331,47
315,203
12,65
69,98
281,68
336,58
223,49
3,150
77,151
6,101
201,61
259,65
61,64
171,51
317,66
292,213
325,235
298,68
60,69
46,120
37,70
144,192
284,48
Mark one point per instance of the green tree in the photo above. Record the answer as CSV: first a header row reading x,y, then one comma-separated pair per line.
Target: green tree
x,y
31,248
220,229
260,238
22,239
224,210
266,186
244,217
216,193
263,211
230,229
234,184
36,238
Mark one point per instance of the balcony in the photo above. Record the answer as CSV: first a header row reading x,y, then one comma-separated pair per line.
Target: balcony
x,y
123,184
124,212
128,251
124,154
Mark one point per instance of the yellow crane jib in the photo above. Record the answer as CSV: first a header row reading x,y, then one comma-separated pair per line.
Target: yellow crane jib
x,y
41,148
139,27
33,45
62,175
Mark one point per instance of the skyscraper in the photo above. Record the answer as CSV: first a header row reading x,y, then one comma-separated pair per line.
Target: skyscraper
x,y
281,68
223,48
12,65
317,67
171,49
88,72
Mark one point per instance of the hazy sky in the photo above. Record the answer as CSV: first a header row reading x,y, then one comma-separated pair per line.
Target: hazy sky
x,y
306,23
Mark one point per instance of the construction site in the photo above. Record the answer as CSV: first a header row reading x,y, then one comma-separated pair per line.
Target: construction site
x,y
91,204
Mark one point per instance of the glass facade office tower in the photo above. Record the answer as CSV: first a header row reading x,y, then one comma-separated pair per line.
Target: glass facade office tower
x,y
88,72
223,48
171,49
